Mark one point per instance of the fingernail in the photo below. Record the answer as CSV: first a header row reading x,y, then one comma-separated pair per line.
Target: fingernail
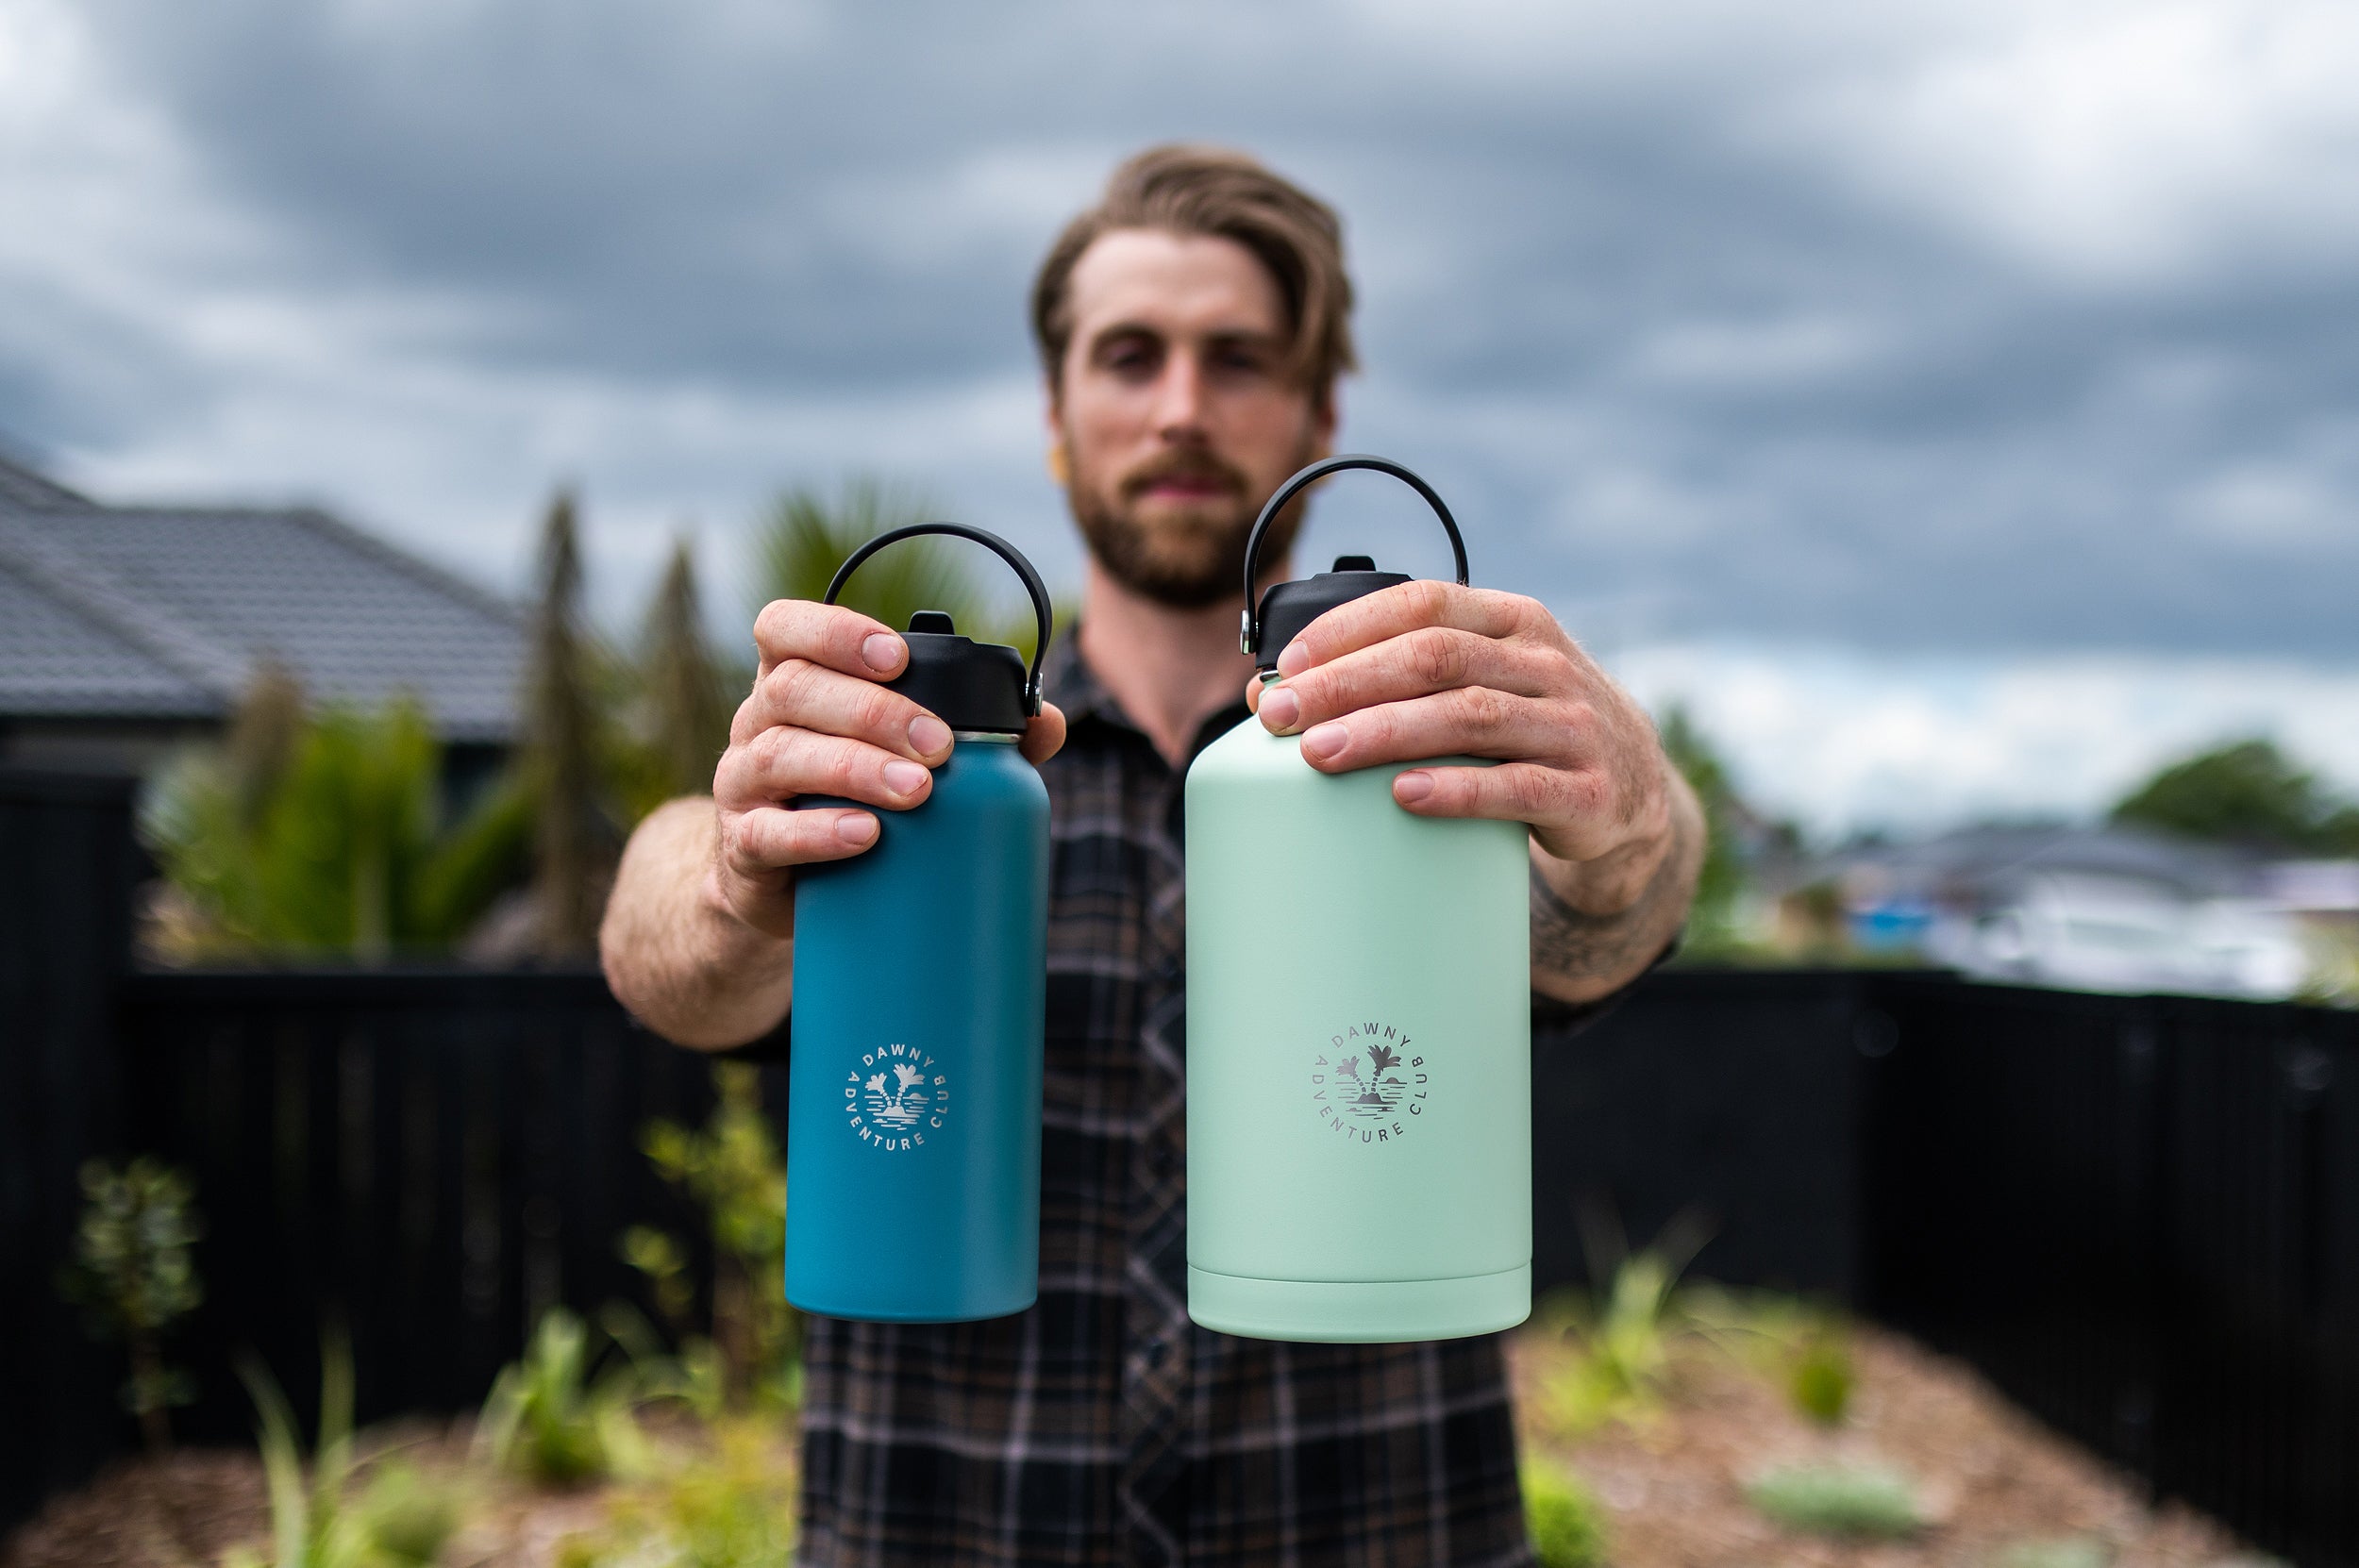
x,y
1322,742
928,734
1410,788
858,827
1294,658
882,652
904,779
1280,709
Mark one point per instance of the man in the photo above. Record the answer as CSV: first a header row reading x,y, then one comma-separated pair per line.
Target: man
x,y
1191,328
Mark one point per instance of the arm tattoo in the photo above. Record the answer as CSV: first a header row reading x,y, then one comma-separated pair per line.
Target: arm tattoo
x,y
1577,948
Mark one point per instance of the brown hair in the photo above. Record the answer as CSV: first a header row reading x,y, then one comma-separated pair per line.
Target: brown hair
x,y
1211,191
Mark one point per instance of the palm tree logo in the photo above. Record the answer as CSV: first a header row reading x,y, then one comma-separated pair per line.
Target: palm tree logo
x,y
903,1103
1378,1093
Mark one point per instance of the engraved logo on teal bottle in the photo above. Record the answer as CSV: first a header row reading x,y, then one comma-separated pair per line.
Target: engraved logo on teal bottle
x,y
896,1097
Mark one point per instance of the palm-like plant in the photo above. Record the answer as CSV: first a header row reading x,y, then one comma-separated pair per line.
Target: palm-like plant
x,y
1380,1060
323,834
808,535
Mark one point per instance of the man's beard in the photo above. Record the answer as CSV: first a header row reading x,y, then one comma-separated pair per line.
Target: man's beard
x,y
1186,562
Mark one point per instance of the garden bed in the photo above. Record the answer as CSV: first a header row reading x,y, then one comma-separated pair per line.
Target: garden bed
x,y
1672,1476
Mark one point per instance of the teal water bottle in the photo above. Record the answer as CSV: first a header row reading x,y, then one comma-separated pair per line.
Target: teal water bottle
x,y
1359,1027
912,1150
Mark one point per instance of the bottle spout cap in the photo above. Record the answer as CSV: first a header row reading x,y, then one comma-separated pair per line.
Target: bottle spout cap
x,y
979,687
1289,606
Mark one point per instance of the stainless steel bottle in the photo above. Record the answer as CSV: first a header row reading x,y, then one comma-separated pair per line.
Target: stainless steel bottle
x,y
1359,1027
912,1147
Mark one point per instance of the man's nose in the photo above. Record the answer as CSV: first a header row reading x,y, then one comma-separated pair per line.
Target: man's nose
x,y
1180,395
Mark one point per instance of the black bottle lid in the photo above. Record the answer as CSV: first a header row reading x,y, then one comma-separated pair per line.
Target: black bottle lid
x,y
967,685
1289,606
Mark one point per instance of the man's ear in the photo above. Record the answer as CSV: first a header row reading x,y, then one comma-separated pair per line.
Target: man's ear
x,y
1323,424
1060,456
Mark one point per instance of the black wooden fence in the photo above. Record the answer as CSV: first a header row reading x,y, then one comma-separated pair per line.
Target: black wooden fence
x,y
2137,1215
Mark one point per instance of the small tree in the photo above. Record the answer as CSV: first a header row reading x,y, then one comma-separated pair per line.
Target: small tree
x,y
1712,919
575,843
1380,1059
134,1275
2247,792
733,1168
681,706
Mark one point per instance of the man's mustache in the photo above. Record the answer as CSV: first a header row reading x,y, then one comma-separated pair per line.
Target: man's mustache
x,y
1200,468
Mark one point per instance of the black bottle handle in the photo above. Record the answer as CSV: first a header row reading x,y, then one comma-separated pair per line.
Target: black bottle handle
x,y
1007,552
1249,635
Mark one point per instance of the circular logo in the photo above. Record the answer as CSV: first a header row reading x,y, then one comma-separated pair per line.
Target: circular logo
x,y
894,1098
1369,1083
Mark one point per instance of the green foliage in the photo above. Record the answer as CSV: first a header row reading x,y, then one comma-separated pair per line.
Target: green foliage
x,y
734,1170
322,834
1869,1502
1567,1526
677,719
1804,1347
2247,792
554,1417
1712,919
731,1505
563,762
399,1521
134,1275
1622,1337
2070,1551
407,1518
1821,1380
808,535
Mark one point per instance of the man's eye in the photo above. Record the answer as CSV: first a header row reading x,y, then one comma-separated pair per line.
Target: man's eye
x,y
1240,361
1129,360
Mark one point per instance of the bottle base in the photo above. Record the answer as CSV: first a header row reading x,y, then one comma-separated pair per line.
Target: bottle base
x,y
1375,1312
868,1312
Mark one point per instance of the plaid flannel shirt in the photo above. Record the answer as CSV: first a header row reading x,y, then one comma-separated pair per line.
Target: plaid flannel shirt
x,y
1101,1426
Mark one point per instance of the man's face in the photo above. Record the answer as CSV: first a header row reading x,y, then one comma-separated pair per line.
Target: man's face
x,y
1177,411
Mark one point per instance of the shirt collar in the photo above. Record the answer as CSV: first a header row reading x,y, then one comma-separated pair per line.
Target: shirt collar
x,y
1067,680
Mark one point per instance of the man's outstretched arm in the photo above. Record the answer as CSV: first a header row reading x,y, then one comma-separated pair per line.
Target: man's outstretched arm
x,y
675,953
698,940
1427,670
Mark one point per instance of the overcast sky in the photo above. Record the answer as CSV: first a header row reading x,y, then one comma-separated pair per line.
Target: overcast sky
x,y
1955,342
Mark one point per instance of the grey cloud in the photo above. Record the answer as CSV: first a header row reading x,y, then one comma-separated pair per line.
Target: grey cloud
x,y
1686,374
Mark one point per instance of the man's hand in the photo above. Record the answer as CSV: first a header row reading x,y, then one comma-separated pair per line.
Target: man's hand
x,y
820,721
1425,670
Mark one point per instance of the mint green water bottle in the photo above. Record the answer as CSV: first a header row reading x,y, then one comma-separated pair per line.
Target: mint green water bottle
x,y
1359,1027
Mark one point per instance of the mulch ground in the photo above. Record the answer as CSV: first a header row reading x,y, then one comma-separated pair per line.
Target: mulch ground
x,y
1991,1480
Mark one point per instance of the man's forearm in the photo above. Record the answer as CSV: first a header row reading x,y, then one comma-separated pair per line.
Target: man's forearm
x,y
1584,947
675,953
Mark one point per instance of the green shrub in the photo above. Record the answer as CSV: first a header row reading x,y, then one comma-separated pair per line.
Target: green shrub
x,y
134,1275
400,1521
2071,1551
734,1170
550,1419
1567,1526
1820,1379
729,1505
1839,1500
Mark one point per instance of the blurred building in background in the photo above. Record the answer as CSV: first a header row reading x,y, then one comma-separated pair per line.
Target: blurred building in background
x,y
126,631
2103,908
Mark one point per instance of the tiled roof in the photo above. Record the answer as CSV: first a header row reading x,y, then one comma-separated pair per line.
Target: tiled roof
x,y
124,612
21,486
